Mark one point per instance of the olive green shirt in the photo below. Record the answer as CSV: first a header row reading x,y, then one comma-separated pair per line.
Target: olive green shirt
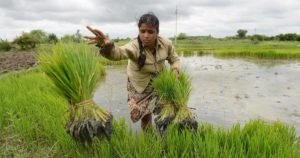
x,y
153,64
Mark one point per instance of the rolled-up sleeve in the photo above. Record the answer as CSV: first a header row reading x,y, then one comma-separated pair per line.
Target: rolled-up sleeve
x,y
173,58
114,52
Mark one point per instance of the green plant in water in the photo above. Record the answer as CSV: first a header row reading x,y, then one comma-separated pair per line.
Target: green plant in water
x,y
174,93
75,70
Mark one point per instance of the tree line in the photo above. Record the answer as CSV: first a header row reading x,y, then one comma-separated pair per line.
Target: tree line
x,y
241,33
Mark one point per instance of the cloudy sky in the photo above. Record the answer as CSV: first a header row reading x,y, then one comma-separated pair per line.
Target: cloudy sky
x,y
118,18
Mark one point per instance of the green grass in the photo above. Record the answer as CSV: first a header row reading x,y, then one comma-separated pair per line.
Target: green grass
x,y
241,48
32,112
32,118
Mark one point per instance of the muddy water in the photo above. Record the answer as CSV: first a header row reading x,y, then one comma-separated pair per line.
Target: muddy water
x,y
225,91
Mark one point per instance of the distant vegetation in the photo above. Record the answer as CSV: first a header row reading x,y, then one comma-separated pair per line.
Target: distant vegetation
x,y
34,38
282,46
4,45
241,33
257,45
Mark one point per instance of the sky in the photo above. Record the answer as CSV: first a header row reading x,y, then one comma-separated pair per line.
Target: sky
x,y
118,18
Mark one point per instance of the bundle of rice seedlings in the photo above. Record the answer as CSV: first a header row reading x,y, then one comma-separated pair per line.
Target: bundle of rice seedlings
x,y
174,93
163,85
75,70
184,117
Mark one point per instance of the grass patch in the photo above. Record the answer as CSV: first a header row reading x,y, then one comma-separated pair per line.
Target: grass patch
x,y
241,48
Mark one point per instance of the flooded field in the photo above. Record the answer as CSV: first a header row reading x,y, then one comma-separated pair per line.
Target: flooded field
x,y
225,91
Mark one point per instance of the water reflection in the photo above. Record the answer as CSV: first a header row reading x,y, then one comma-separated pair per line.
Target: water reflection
x,y
193,53
261,62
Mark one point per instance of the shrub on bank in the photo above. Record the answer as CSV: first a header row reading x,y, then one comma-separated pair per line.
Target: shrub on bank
x,y
4,45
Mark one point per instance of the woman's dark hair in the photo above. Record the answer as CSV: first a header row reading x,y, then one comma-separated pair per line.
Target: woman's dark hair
x,y
148,18
142,57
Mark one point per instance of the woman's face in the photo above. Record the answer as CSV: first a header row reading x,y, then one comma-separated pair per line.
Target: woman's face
x,y
148,35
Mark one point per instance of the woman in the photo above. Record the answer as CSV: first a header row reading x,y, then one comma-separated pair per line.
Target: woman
x,y
146,56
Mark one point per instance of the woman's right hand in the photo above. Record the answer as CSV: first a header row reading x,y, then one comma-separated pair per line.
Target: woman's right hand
x,y
176,71
99,39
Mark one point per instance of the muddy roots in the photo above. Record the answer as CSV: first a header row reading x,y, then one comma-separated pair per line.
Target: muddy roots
x,y
188,123
84,131
163,123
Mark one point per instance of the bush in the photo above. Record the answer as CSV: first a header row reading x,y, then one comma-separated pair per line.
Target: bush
x,y
258,37
288,37
241,33
26,41
4,45
182,36
52,38
39,36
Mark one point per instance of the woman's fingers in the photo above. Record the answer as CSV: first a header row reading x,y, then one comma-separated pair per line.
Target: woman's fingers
x,y
95,31
99,39
89,37
92,30
92,42
99,32
94,38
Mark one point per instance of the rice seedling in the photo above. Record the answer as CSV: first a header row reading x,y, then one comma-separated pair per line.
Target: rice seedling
x,y
174,92
75,70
